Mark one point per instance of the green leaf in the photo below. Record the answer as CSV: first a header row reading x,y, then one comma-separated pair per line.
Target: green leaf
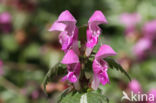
x,y
63,94
90,97
71,98
114,65
9,43
58,69
96,98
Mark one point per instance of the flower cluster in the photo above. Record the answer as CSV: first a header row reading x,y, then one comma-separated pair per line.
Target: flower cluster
x,y
68,38
146,43
130,21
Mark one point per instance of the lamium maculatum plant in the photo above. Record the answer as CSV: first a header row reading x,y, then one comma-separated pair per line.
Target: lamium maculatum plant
x,y
82,66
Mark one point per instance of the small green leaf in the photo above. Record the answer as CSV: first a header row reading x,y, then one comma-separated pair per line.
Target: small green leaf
x,y
57,69
114,65
63,94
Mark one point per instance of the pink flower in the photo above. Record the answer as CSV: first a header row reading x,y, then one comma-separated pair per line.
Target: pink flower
x,y
35,94
5,17
5,22
100,66
66,24
130,21
1,68
153,92
149,29
135,86
141,47
73,66
94,30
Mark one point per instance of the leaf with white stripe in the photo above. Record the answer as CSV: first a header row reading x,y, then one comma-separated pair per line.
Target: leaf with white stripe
x,y
83,98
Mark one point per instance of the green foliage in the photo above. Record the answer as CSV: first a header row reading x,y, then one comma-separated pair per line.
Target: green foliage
x,y
114,65
57,70
89,97
32,51
9,43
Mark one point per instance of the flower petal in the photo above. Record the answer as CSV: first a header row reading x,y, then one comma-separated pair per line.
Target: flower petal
x,y
66,16
149,29
104,79
105,51
141,47
153,92
100,71
92,40
5,17
94,30
1,68
57,27
130,20
98,17
70,58
135,86
65,40
71,77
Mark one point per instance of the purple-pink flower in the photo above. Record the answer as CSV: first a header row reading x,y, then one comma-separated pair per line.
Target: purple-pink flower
x,y
68,38
1,68
73,66
94,30
135,86
149,30
141,47
66,24
146,44
152,92
5,22
130,21
100,66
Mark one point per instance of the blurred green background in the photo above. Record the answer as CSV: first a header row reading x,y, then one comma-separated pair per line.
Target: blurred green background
x,y
28,50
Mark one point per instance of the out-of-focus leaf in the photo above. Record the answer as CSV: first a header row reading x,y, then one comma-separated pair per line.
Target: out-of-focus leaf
x,y
58,69
32,51
114,65
9,96
20,20
9,43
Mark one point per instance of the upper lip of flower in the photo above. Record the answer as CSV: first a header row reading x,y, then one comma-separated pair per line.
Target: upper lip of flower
x,y
66,24
66,16
96,19
105,51
70,58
